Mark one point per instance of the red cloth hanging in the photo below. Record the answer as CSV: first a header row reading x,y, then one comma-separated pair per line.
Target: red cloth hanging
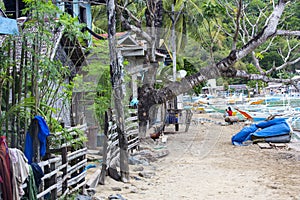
x,y
6,187
4,149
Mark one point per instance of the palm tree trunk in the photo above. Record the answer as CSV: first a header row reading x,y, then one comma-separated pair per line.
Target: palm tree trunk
x,y
115,70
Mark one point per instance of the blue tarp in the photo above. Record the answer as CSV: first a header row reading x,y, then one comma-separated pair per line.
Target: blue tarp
x,y
266,129
8,26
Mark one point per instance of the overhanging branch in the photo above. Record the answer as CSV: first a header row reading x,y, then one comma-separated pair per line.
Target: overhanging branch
x,y
287,33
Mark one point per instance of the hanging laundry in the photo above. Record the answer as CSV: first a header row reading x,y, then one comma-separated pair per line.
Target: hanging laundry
x,y
5,185
43,133
19,171
4,149
31,190
38,174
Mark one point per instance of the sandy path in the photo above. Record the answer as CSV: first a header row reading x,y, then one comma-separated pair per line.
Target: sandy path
x,y
203,164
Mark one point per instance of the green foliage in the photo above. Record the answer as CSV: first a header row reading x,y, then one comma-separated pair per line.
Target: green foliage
x,y
259,55
284,74
74,138
42,78
208,24
2,5
271,59
99,19
72,27
180,24
18,109
103,95
212,10
97,84
291,16
191,69
252,69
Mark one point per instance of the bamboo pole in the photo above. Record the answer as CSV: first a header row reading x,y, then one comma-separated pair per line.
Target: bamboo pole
x,y
13,96
19,91
7,88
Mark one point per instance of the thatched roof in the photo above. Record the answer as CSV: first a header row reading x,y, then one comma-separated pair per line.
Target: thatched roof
x,y
69,52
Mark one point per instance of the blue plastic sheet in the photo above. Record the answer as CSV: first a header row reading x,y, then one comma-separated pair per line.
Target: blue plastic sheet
x,y
273,128
8,26
243,135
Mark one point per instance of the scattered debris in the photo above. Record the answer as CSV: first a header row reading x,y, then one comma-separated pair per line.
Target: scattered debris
x,y
93,157
264,145
146,174
162,153
83,197
90,191
116,189
146,156
136,178
117,196
278,145
139,168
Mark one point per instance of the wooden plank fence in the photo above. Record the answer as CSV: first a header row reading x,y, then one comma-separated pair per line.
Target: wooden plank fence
x,y
111,149
63,166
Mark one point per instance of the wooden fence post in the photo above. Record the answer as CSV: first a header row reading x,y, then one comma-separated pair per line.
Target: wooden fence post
x,y
81,158
53,181
104,164
64,157
34,131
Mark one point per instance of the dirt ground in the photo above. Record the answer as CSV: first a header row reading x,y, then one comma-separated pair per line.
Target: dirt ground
x,y
203,164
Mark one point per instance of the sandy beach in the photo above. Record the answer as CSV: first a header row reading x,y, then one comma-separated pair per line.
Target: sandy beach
x,y
203,164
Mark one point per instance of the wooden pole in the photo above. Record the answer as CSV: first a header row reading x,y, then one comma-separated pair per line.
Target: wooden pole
x,y
34,131
104,162
64,155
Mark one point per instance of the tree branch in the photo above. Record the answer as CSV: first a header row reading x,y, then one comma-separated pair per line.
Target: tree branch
x,y
236,34
287,33
243,74
283,65
136,29
224,67
268,31
138,22
256,63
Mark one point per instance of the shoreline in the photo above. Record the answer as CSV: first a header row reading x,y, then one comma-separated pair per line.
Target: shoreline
x,y
203,164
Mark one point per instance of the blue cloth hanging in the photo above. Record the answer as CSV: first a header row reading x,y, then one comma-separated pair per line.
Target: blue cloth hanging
x,y
43,133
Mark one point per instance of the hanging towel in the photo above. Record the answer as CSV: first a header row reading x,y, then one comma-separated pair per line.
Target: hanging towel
x,y
42,135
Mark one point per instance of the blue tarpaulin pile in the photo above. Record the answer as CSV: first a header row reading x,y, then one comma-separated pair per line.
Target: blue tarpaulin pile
x,y
276,130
